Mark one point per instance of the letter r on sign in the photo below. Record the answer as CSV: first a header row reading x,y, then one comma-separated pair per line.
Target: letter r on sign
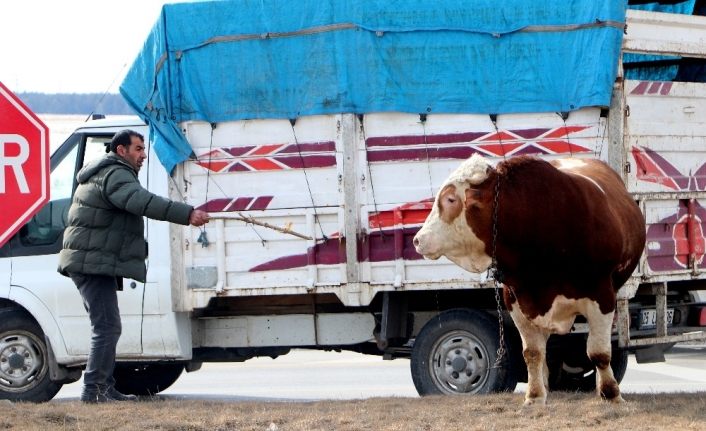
x,y
15,162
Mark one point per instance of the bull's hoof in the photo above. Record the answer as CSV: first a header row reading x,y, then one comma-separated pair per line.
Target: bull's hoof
x,y
538,401
617,400
611,392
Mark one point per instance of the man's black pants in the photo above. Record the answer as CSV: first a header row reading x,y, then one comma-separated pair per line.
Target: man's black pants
x,y
99,293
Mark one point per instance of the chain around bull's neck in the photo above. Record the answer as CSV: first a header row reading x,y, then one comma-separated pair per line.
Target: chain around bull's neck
x,y
497,276
493,270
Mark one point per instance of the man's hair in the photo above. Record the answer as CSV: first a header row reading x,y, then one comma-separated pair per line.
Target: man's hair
x,y
123,138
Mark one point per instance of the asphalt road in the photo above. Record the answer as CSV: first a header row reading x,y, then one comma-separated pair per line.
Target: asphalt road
x,y
312,375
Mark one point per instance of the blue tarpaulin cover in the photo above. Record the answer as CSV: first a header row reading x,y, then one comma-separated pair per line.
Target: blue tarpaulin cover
x,y
228,60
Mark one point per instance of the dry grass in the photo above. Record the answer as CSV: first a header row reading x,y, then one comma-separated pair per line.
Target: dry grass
x,y
565,411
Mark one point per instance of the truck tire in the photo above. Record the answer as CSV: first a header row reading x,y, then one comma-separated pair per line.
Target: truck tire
x,y
576,372
24,359
146,379
455,353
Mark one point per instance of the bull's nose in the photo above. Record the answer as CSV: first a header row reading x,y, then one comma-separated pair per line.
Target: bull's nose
x,y
415,241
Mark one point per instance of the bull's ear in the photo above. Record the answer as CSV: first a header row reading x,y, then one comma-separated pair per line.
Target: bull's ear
x,y
473,197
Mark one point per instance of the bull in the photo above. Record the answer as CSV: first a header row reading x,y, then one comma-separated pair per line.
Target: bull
x,y
563,236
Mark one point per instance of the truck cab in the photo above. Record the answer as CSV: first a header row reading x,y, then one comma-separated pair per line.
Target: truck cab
x,y
51,326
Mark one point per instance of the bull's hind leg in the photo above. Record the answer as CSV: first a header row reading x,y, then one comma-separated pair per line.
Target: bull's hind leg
x,y
599,352
534,350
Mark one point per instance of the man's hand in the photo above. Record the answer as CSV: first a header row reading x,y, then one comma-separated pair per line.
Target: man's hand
x,y
198,218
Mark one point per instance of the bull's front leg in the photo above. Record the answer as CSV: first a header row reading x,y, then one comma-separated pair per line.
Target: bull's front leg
x,y
534,350
598,348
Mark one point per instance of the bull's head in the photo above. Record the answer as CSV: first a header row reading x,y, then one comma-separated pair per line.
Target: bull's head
x,y
463,208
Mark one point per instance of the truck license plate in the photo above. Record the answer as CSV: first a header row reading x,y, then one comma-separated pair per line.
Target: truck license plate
x,y
648,318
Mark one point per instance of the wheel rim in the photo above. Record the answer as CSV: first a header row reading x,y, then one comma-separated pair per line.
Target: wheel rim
x,y
22,364
459,363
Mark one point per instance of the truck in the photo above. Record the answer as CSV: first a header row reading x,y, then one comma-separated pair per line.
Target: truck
x,y
314,204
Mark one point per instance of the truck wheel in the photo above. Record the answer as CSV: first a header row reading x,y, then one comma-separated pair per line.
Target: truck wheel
x,y
146,379
24,360
578,374
455,353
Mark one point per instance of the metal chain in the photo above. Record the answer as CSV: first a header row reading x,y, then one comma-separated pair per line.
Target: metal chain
x,y
497,276
500,353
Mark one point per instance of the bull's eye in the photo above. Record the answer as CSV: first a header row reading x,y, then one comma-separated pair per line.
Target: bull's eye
x,y
451,200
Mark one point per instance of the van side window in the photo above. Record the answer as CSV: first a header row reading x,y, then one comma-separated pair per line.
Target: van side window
x,y
62,176
48,224
43,234
96,147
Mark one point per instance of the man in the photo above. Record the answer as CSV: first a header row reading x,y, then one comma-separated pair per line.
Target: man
x,y
104,241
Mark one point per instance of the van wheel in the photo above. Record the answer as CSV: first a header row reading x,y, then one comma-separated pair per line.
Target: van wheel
x,y
24,360
146,379
455,353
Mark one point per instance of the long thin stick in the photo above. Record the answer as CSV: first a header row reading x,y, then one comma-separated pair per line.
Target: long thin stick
x,y
252,220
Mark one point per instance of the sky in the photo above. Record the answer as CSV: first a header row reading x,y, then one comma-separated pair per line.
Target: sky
x,y
72,46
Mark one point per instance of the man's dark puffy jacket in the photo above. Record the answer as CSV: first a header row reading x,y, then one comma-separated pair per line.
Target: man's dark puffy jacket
x,y
105,232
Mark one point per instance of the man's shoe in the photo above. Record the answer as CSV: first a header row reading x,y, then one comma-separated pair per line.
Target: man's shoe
x,y
89,394
95,395
89,398
113,394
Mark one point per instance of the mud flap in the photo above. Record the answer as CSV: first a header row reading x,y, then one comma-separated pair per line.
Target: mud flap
x,y
58,373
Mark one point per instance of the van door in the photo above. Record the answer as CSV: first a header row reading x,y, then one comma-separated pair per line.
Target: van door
x,y
31,255
36,248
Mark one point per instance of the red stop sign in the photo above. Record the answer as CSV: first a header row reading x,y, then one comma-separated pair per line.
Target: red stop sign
x,y
24,164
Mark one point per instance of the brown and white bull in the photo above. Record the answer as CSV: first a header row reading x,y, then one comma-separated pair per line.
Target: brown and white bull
x,y
567,237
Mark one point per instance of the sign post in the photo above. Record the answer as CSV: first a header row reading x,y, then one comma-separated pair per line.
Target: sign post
x,y
24,164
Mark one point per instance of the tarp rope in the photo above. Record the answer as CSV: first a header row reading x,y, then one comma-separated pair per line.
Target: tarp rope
x,y
292,122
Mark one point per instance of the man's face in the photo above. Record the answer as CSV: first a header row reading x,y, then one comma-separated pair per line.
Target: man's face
x,y
134,154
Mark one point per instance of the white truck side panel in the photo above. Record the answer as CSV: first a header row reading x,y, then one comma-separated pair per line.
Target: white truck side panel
x,y
262,160
666,148
669,119
666,33
299,177
409,158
